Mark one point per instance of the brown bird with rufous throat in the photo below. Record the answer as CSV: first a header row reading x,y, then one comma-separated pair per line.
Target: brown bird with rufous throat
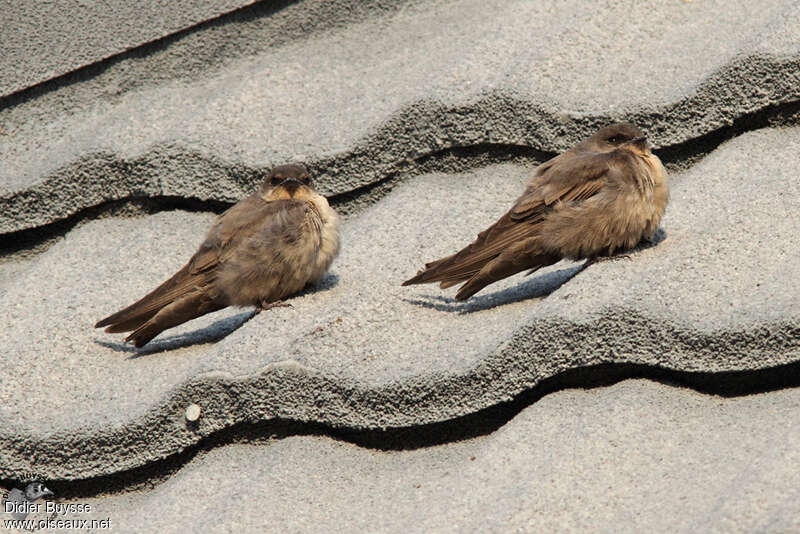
x,y
266,247
604,195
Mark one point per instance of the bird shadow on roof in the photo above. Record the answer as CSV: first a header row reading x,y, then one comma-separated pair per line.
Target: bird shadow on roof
x,y
209,334
541,286
537,288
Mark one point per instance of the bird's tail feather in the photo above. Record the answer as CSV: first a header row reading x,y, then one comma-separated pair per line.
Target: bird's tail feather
x,y
428,273
449,271
453,282
178,312
127,324
142,310
501,267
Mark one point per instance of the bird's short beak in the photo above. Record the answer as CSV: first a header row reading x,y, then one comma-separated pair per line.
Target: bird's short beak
x,y
291,185
640,142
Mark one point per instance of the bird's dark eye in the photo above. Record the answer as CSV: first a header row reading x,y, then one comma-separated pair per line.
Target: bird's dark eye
x,y
275,180
615,139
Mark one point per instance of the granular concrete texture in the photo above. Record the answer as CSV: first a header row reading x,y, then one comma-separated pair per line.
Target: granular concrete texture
x,y
427,117
363,352
635,457
356,99
44,40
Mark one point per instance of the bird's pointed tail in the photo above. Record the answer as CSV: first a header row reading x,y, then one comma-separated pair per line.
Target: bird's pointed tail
x,y
184,296
184,309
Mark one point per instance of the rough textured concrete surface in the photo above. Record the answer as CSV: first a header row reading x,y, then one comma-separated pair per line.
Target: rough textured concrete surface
x,y
43,40
635,457
421,121
363,352
356,100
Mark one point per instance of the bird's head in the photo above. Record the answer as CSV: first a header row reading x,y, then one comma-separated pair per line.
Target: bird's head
x,y
620,135
35,491
290,182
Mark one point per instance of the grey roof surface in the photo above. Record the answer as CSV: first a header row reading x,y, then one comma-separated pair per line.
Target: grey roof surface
x,y
634,457
422,121
359,99
44,40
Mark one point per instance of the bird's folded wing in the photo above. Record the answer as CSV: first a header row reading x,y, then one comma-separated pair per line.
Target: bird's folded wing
x,y
564,179
573,178
231,228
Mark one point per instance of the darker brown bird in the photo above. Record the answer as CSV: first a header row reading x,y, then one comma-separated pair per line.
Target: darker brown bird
x,y
603,195
266,247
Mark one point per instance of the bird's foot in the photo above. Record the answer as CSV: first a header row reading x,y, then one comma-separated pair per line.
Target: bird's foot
x,y
615,257
601,259
264,305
